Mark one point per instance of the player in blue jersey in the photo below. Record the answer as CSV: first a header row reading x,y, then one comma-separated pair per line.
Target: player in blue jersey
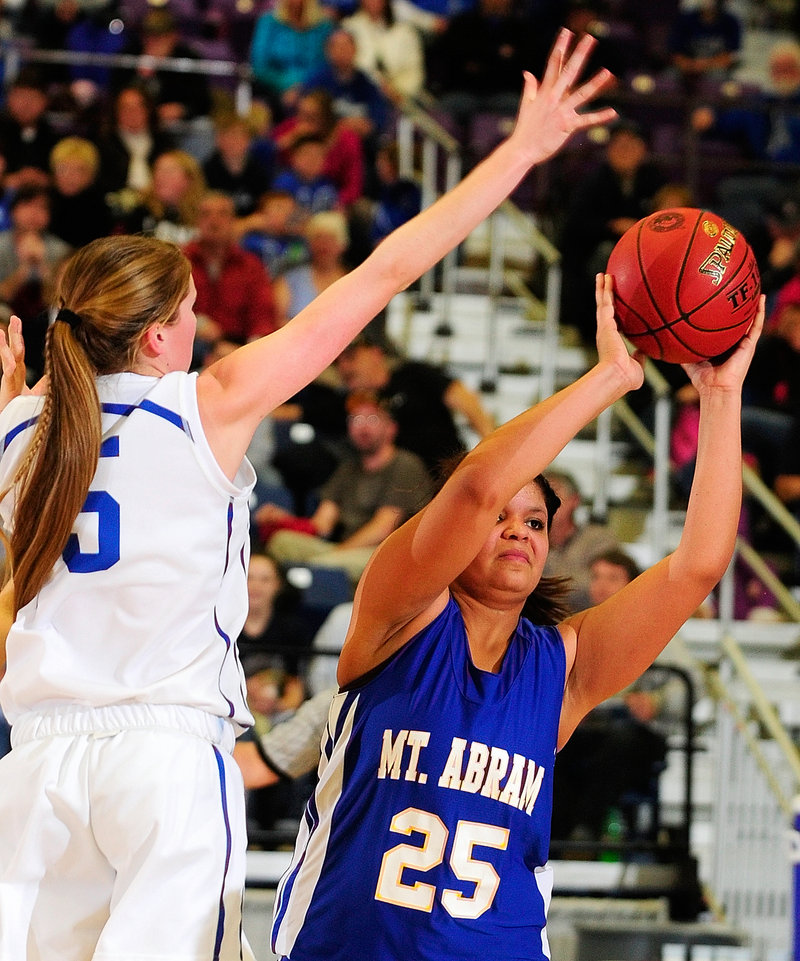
x,y
427,836
124,484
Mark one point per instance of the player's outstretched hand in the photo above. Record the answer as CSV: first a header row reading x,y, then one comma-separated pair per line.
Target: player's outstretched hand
x,y
611,348
729,375
12,357
548,111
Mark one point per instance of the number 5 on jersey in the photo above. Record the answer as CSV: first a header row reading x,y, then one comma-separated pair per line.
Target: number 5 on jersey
x,y
106,509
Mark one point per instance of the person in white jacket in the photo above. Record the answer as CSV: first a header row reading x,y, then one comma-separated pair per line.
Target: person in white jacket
x,y
389,50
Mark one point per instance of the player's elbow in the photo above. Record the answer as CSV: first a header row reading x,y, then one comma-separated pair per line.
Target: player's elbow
x,y
699,573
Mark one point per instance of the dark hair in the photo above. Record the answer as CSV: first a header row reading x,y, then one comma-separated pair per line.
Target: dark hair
x,y
619,559
28,192
327,107
630,127
373,338
307,138
29,78
366,398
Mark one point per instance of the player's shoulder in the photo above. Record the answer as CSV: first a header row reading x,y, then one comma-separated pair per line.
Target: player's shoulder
x,y
16,415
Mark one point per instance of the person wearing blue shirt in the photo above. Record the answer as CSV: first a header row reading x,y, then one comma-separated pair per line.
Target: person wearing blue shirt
x,y
288,44
706,41
358,101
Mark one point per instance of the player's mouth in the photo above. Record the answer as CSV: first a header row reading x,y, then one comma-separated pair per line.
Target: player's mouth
x,y
522,556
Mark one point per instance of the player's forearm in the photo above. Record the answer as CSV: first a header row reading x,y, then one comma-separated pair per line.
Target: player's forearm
x,y
527,444
714,507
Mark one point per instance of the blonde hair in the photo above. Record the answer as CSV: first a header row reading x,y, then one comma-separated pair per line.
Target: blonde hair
x,y
76,149
313,12
329,222
189,203
118,287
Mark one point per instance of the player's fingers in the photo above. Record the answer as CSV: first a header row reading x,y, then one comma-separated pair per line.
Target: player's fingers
x,y
531,85
595,85
558,55
15,339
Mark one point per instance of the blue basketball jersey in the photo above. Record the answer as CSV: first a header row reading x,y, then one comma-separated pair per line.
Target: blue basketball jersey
x,y
427,836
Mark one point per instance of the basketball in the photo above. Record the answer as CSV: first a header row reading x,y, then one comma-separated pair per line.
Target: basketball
x,y
686,285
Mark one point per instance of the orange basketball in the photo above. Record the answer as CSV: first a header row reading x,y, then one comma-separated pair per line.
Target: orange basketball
x,y
686,285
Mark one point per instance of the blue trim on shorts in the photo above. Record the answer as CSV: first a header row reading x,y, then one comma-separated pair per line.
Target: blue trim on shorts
x,y
224,799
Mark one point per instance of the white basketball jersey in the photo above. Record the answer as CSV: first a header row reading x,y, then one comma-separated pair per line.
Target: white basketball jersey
x,y
148,598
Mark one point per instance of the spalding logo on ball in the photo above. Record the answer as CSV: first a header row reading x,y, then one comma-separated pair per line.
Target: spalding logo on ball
x,y
686,285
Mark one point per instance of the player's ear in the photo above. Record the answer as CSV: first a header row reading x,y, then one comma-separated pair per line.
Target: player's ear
x,y
152,344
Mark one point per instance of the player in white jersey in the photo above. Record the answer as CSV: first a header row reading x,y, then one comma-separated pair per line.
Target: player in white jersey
x,y
428,832
124,486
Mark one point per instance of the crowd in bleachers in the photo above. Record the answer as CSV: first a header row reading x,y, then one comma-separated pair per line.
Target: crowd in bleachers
x,y
274,201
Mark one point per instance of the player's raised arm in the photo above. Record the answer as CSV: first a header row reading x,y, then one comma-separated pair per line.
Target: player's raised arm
x,y
406,581
242,388
610,645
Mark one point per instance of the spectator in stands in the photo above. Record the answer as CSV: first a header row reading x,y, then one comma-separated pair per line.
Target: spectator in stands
x,y
6,193
787,487
612,759
272,232
78,210
705,42
288,750
369,495
271,623
423,399
235,300
305,178
574,542
611,52
178,95
604,204
610,572
26,134
50,23
767,132
388,50
771,393
129,147
233,168
398,198
328,641
29,258
275,688
288,45
327,239
359,103
344,154
476,63
430,17
170,205
98,31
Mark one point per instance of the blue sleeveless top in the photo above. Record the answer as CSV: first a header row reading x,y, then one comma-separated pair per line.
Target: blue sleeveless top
x,y
428,833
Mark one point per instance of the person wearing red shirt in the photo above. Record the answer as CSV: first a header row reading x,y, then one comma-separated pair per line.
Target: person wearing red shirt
x,y
234,290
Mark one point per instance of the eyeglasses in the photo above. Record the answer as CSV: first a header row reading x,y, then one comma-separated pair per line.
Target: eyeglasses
x,y
358,420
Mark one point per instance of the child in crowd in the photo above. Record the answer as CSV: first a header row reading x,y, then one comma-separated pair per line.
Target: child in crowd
x,y
305,179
